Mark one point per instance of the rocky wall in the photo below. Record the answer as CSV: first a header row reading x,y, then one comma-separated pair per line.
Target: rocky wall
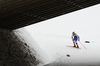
x,y
14,52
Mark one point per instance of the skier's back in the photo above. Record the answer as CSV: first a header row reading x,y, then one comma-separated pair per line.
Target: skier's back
x,y
75,37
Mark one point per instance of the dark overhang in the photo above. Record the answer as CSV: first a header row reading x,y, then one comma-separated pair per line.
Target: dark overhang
x,y
15,14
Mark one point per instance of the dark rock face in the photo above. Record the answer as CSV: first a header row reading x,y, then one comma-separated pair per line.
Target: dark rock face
x,y
14,52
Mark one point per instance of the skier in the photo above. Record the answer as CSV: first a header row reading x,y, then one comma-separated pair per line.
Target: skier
x,y
75,37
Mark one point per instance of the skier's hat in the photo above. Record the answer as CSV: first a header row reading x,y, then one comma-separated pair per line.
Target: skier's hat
x,y
73,32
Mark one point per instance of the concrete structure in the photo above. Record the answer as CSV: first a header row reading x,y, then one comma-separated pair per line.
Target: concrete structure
x,y
21,13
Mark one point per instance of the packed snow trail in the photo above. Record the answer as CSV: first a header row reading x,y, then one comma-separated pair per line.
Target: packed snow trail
x,y
56,48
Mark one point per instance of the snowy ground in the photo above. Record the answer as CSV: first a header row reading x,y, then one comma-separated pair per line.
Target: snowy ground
x,y
56,48
53,35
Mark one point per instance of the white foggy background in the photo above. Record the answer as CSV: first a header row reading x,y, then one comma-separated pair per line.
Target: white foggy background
x,y
54,34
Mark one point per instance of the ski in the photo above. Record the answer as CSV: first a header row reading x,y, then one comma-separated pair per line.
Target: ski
x,y
72,47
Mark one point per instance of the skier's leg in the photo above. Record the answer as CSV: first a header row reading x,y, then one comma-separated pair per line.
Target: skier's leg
x,y
77,44
74,44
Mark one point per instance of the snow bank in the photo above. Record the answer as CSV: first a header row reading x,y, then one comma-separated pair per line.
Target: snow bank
x,y
36,50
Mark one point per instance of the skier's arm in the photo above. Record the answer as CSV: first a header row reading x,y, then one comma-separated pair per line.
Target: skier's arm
x,y
78,38
72,38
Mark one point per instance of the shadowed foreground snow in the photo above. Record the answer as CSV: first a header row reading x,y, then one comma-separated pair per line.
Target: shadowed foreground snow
x,y
33,45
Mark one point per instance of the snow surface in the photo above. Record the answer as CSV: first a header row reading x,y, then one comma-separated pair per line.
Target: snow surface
x,y
54,34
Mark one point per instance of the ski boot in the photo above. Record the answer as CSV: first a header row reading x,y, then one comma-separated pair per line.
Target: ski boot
x,y
74,45
77,46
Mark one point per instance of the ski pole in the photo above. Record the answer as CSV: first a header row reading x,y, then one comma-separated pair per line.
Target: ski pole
x,y
83,45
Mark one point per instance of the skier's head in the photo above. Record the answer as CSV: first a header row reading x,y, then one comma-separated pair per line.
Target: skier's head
x,y
73,33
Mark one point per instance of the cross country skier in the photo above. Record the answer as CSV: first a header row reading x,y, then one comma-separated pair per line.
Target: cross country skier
x,y
75,37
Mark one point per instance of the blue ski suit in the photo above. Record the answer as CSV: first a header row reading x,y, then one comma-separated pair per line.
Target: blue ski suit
x,y
75,37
